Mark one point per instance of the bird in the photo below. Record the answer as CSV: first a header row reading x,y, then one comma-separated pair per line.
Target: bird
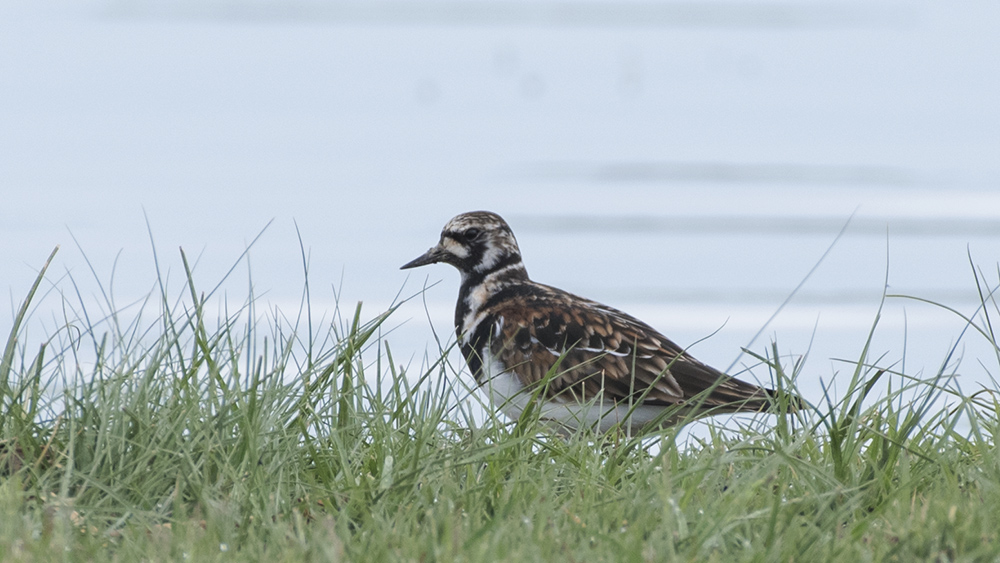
x,y
580,363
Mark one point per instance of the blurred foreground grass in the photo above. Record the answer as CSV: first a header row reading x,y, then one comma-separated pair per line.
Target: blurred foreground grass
x,y
172,434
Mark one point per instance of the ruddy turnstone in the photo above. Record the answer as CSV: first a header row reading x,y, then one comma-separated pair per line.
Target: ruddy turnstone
x,y
588,365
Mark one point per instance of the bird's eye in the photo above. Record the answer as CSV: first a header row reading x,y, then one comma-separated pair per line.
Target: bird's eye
x,y
471,234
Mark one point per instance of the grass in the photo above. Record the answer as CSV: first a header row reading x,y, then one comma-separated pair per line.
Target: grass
x,y
173,434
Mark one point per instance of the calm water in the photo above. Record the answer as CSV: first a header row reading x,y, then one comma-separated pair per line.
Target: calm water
x,y
689,165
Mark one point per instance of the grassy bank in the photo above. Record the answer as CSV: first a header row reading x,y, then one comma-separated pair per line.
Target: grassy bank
x,y
175,433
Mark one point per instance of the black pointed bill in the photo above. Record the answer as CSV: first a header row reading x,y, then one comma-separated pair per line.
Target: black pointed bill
x,y
432,256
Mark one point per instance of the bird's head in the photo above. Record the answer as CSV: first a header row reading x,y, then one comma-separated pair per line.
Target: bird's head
x,y
478,242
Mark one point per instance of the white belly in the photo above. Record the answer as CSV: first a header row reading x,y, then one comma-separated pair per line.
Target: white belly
x,y
507,393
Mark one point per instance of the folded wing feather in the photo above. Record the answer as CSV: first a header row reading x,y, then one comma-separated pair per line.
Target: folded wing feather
x,y
608,354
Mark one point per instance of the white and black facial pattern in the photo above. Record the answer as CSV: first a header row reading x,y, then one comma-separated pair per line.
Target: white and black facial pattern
x,y
479,243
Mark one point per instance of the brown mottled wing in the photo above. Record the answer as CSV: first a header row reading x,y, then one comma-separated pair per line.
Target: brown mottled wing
x,y
600,348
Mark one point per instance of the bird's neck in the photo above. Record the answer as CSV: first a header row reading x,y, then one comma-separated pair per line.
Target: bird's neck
x,y
478,287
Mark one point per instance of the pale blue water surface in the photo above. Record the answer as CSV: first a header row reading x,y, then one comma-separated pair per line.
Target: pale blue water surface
x,y
686,162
